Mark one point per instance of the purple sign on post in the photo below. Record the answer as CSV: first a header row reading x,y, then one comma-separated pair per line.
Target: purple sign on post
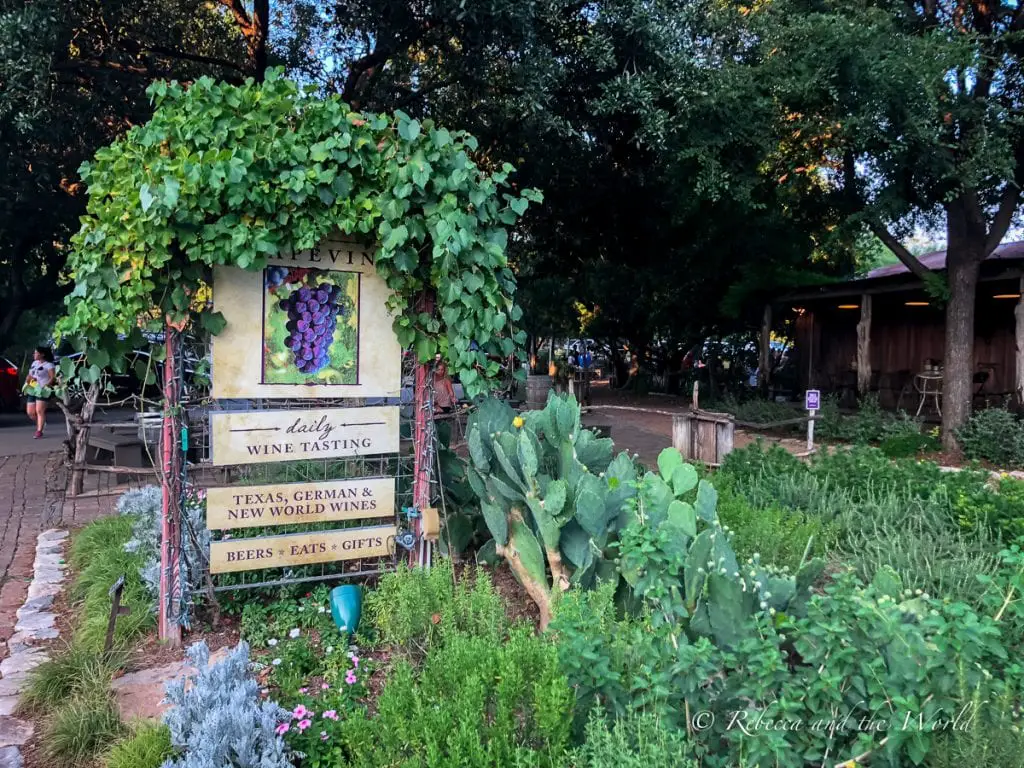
x,y
812,400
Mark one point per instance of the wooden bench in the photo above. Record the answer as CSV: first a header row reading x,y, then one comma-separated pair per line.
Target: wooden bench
x,y
125,448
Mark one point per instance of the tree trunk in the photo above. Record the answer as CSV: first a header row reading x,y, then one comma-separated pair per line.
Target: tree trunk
x,y
864,346
1018,379
764,359
962,265
81,439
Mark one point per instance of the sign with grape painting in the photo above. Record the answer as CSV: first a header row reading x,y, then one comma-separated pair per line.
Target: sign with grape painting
x,y
312,324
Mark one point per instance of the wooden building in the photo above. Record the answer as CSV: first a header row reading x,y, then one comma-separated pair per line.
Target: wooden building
x,y
883,333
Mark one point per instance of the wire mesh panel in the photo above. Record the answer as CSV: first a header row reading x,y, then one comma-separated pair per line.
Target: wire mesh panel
x,y
397,466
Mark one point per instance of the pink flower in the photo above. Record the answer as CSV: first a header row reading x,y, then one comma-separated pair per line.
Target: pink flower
x,y
303,690
282,729
330,714
323,735
350,676
324,687
300,712
304,724
355,660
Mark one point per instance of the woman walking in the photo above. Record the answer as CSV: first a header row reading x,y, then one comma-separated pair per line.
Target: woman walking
x,y
37,387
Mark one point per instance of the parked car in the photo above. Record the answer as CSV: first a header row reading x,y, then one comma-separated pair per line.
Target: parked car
x,y
10,392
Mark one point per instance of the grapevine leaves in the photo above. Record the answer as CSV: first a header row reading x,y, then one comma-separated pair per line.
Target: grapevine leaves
x,y
211,179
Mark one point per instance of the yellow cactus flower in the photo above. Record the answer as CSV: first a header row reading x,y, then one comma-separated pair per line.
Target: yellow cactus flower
x,y
518,422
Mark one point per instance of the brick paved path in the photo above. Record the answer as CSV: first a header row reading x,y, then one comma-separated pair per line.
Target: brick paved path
x,y
31,493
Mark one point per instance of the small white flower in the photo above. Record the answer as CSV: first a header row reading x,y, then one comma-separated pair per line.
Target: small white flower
x,y
329,649
272,642
321,609
294,633
276,662
763,605
302,608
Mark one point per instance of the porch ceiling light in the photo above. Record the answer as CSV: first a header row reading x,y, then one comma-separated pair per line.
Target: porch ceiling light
x,y
849,306
1006,296
915,303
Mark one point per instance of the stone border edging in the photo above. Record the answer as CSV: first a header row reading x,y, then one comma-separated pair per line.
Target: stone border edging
x,y
35,622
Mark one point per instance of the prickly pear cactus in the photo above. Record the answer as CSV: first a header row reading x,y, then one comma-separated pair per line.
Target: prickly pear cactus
x,y
677,555
550,493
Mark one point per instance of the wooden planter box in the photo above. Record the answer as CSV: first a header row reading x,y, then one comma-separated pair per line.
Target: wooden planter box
x,y
703,436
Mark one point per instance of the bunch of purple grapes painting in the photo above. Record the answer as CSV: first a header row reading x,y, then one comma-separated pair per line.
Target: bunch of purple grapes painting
x,y
310,326
312,317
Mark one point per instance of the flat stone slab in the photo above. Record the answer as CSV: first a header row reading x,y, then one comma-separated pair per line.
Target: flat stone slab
x,y
10,757
35,621
49,575
7,706
39,589
14,732
141,694
12,684
22,662
53,534
40,603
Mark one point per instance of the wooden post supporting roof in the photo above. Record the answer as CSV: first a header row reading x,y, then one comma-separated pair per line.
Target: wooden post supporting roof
x,y
764,358
1018,358
864,345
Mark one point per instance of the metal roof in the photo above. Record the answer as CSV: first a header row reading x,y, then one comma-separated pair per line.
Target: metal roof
x,y
937,260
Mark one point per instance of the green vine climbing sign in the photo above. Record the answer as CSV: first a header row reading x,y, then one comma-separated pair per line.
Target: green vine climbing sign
x,y
226,174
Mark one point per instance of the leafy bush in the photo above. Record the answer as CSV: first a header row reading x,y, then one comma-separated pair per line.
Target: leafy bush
x,y
902,438
637,741
411,608
873,653
217,718
72,672
781,537
995,435
82,728
147,746
473,702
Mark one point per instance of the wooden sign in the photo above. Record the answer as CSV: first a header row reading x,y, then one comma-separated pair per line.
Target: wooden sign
x,y
253,437
256,506
301,548
312,324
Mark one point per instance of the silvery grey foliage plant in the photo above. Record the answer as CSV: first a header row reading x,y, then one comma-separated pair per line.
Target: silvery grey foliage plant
x,y
145,505
217,719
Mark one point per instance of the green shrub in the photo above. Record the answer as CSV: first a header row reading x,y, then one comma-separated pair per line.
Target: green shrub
x,y
987,733
82,728
147,746
921,541
847,479
72,672
759,411
473,702
902,438
637,741
780,536
993,434
412,608
872,653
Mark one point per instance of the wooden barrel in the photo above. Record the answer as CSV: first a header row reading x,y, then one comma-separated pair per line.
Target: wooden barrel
x,y
537,388
703,436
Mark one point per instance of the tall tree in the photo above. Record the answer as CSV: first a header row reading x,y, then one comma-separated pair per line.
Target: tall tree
x,y
911,111
73,75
